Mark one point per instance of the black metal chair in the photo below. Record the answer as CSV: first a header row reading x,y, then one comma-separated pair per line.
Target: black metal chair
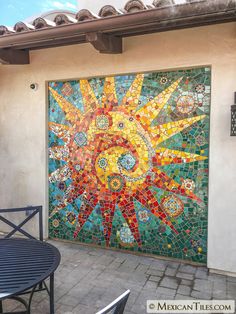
x,y
117,306
30,211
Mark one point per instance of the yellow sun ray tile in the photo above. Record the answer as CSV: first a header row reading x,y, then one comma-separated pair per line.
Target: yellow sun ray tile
x,y
109,97
72,113
151,110
165,156
163,132
131,99
89,99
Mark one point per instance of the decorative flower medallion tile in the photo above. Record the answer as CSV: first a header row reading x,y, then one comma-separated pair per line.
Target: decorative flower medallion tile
x,y
128,162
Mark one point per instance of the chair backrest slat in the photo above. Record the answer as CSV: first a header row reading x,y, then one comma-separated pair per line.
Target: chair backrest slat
x,y
34,210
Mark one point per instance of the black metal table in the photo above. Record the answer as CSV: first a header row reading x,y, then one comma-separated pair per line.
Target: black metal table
x,y
24,264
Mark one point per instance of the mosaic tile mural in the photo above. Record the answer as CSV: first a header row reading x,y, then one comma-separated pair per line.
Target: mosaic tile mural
x,y
128,162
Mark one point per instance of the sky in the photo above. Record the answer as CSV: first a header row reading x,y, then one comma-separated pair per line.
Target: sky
x,y
12,11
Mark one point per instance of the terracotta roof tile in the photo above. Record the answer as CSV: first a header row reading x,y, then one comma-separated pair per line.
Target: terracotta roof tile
x,y
43,23
85,15
134,6
61,19
23,27
162,3
131,6
108,10
4,30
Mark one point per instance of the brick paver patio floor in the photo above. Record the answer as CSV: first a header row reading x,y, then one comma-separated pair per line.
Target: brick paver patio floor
x,y
90,278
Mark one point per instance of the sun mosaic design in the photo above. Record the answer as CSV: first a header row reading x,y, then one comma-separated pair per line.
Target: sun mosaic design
x,y
128,162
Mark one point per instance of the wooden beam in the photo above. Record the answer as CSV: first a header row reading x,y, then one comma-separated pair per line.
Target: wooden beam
x,y
105,43
11,56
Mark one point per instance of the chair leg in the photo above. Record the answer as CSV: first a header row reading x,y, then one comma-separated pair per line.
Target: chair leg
x,y
1,307
41,285
30,299
51,296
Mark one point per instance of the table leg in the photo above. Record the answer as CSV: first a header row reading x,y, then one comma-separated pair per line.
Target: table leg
x,y
1,308
51,296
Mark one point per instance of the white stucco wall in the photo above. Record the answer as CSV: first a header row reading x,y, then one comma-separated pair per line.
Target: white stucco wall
x,y
23,116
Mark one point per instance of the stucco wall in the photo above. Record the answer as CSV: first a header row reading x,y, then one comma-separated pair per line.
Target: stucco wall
x,y
23,128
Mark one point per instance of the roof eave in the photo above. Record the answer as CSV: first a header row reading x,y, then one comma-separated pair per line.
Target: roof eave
x,y
106,33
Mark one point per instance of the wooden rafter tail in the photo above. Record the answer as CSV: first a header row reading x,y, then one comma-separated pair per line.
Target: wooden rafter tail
x,y
11,56
105,43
